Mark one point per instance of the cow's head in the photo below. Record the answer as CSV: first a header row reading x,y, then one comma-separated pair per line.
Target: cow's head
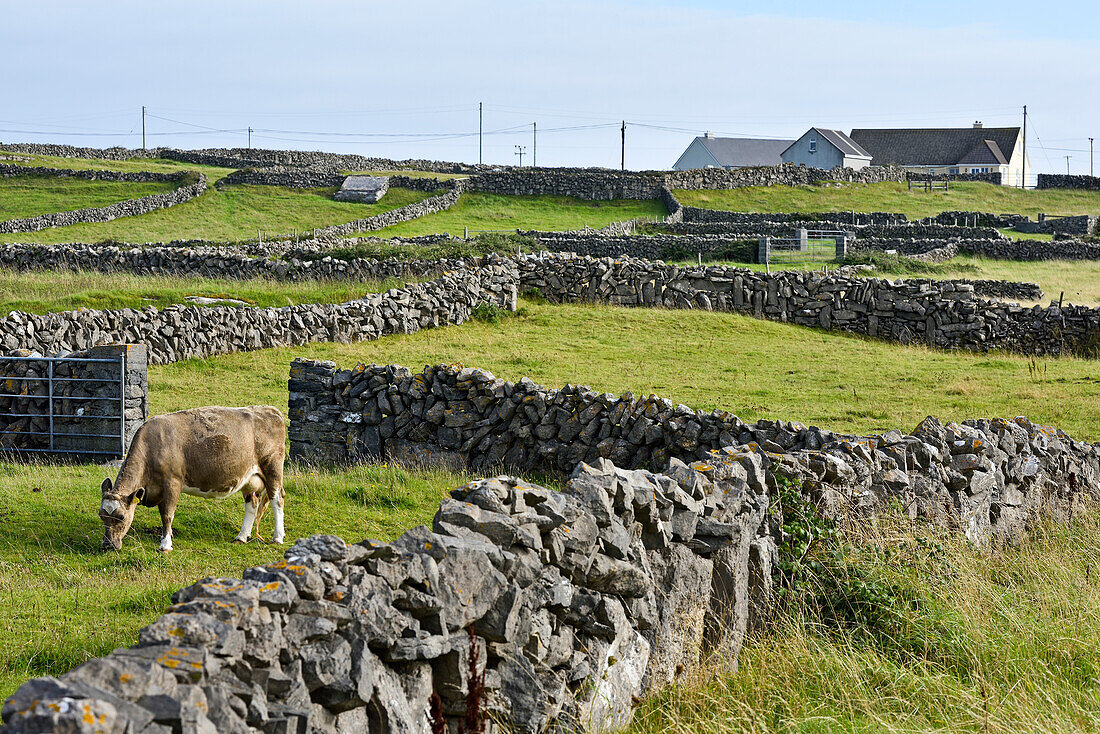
x,y
117,512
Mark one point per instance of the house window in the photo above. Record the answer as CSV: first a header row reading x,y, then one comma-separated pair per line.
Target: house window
x,y
953,170
931,171
813,145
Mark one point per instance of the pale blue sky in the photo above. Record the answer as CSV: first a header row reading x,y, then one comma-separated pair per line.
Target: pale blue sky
x,y
403,79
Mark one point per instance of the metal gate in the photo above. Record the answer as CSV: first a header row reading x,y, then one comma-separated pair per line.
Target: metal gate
x,y
63,405
808,247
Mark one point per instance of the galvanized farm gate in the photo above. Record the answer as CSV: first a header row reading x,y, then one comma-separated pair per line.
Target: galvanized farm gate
x,y
73,405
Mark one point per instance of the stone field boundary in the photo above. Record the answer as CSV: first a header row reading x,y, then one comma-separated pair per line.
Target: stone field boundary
x,y
563,608
127,208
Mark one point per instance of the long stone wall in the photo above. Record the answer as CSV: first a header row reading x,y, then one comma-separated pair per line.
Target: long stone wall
x,y
561,608
299,262
128,208
1063,181
936,313
782,175
998,249
184,332
650,247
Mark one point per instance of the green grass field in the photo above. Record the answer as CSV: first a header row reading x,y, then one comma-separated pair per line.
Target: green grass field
x,y
494,212
45,292
30,196
160,165
968,640
67,602
229,214
756,369
894,197
62,601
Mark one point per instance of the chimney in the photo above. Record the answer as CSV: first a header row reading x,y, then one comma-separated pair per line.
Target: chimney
x,y
708,134
977,124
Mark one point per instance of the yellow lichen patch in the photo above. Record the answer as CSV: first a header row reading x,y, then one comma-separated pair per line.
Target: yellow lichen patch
x,y
125,678
270,587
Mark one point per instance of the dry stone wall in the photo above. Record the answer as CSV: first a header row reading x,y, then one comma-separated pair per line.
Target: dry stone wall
x,y
999,248
943,315
305,261
184,332
1063,181
651,247
128,208
563,608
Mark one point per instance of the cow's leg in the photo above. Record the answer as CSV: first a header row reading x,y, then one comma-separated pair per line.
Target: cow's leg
x,y
277,508
251,500
273,482
167,513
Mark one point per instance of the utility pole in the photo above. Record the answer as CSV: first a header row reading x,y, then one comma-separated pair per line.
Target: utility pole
x,y
250,138
1067,164
1023,178
479,119
622,163
535,145
1090,156
520,150
143,127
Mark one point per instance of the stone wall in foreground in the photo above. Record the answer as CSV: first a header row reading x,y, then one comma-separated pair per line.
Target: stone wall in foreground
x,y
940,314
564,608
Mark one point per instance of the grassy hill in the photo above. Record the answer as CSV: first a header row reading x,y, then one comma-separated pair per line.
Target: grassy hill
x,y
46,292
230,213
895,197
493,212
29,196
756,369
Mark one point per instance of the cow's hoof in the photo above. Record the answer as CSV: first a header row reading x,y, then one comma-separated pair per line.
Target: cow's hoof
x,y
164,550
278,541
238,541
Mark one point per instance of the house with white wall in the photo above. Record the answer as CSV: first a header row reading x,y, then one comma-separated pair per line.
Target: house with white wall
x,y
940,151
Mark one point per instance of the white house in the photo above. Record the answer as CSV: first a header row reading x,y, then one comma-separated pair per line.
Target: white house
x,y
822,148
976,149
707,151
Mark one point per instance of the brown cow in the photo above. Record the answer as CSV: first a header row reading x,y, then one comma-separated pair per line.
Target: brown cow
x,y
209,452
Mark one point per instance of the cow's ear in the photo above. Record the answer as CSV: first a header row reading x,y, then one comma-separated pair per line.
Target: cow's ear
x,y
106,486
138,495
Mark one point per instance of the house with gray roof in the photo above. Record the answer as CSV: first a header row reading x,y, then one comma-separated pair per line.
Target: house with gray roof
x,y
707,151
823,148
976,149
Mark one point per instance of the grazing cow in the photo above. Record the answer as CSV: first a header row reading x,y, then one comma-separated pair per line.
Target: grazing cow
x,y
209,452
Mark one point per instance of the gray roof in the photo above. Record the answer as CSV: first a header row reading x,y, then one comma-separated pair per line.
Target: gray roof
x,y
986,151
937,146
843,143
838,140
739,152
